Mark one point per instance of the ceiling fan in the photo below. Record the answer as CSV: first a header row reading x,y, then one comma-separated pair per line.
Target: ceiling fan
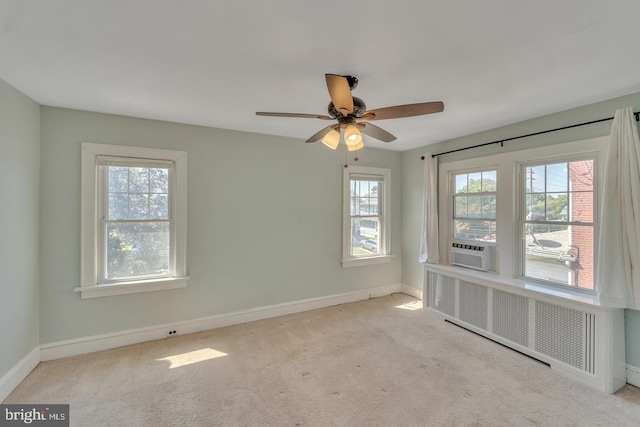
x,y
353,117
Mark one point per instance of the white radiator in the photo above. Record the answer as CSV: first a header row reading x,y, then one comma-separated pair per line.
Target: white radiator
x,y
577,339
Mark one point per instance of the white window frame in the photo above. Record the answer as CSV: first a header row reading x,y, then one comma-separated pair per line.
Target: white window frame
x,y
91,188
507,248
521,180
384,256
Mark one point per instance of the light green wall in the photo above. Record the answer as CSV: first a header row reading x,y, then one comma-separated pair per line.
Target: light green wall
x,y
264,223
412,178
19,216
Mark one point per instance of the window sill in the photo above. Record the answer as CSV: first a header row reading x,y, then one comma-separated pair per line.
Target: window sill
x,y
358,262
107,290
520,286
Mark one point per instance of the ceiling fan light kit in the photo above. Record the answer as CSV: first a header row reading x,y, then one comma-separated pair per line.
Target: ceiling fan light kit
x,y
355,147
332,139
352,136
352,115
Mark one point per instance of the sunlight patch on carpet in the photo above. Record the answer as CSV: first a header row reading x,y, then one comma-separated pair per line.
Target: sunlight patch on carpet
x,y
413,305
192,357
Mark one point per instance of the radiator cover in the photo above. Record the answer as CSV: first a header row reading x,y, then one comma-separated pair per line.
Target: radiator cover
x,y
581,340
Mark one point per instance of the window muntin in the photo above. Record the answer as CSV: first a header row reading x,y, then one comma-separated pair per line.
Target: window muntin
x,y
557,217
474,206
136,223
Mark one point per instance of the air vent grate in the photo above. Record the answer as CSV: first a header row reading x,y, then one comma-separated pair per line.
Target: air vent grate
x,y
511,317
560,333
473,304
443,293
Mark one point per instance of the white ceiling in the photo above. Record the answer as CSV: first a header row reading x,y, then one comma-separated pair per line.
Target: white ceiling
x,y
215,63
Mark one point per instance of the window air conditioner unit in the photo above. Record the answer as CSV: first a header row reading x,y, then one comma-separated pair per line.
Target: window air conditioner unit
x,y
476,256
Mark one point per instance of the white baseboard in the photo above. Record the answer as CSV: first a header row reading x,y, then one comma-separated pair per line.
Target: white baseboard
x,y
95,343
633,375
409,290
18,373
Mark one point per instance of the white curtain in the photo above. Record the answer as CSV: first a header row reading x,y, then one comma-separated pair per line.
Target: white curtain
x,y
618,277
429,251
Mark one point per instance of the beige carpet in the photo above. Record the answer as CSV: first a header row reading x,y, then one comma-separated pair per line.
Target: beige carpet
x,y
381,362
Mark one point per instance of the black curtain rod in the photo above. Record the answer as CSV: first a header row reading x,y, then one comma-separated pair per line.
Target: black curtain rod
x,y
502,141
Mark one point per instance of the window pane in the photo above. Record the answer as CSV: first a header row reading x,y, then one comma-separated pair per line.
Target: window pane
x,y
138,180
557,178
474,207
475,182
535,179
137,249
557,207
559,253
581,175
118,179
158,180
581,207
138,206
474,230
118,206
489,180
354,198
159,206
460,206
461,183
489,207
535,207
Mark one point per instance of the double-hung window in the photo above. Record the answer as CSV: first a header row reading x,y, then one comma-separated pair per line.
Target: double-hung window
x,y
557,221
133,220
366,215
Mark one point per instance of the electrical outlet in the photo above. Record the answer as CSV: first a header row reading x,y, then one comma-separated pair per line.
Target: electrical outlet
x,y
172,333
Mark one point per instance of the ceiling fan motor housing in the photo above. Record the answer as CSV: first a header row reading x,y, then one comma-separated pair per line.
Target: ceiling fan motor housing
x,y
359,107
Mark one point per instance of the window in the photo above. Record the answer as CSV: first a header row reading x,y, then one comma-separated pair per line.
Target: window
x,y
366,216
536,210
474,206
133,220
557,220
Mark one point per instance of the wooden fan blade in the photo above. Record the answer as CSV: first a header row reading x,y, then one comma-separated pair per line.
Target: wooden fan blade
x,y
376,132
407,110
318,135
300,115
340,93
